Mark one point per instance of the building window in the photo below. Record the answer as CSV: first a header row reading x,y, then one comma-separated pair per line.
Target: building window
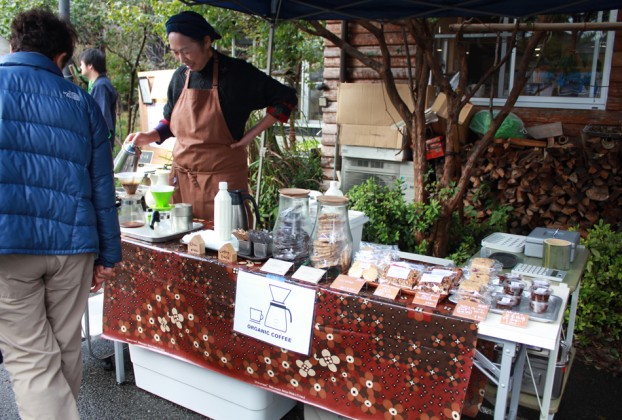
x,y
570,69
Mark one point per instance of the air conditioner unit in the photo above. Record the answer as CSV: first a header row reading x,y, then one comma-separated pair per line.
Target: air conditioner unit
x,y
355,171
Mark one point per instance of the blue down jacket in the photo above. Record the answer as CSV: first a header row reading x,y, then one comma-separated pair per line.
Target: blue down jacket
x,y
57,194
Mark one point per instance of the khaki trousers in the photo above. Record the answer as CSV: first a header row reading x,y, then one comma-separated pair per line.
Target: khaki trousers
x,y
42,300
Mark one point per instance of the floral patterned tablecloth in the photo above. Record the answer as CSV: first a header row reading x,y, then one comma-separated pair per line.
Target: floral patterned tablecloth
x,y
369,358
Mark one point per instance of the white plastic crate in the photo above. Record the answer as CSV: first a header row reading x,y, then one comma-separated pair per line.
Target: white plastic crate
x,y
505,242
209,393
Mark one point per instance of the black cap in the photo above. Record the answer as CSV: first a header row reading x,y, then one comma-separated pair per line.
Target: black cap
x,y
192,25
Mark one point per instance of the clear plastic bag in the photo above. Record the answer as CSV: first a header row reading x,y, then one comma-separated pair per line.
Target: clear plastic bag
x,y
479,274
439,280
401,274
371,258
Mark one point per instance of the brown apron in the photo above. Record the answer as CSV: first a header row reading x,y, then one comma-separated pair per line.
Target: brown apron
x,y
202,156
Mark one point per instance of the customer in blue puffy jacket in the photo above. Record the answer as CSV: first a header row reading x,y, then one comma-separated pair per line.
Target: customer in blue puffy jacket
x,y
59,229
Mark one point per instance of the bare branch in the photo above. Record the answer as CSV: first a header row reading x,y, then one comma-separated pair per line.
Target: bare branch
x,y
320,30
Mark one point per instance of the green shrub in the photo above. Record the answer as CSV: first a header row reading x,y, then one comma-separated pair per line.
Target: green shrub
x,y
389,215
287,169
599,313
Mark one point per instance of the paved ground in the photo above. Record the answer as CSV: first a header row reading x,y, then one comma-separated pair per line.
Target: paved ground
x,y
590,395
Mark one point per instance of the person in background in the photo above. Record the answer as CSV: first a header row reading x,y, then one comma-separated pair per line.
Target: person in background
x,y
93,67
59,235
210,97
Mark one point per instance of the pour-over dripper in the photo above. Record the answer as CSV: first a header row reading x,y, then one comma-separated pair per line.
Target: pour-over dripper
x,y
130,181
279,294
162,195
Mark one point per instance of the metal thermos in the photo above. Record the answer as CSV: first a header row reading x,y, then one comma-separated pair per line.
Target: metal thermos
x,y
240,218
127,159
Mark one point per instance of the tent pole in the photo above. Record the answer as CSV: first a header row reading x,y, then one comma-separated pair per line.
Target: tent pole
x,y
63,13
63,9
262,146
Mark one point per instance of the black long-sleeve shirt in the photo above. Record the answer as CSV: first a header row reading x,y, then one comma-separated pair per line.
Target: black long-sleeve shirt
x,y
242,88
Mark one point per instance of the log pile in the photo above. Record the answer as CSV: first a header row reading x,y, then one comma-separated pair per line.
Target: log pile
x,y
555,185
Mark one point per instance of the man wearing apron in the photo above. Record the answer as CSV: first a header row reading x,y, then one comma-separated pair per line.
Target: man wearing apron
x,y
210,98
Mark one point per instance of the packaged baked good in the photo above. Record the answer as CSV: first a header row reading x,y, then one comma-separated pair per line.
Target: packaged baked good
x,y
474,282
484,265
478,274
371,259
401,274
364,270
438,280
474,297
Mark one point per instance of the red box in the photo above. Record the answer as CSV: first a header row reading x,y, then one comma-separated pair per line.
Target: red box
x,y
434,148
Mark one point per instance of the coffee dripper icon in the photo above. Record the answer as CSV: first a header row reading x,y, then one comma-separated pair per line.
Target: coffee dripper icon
x,y
276,317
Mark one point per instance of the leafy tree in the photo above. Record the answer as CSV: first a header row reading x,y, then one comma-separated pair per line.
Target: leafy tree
x,y
453,182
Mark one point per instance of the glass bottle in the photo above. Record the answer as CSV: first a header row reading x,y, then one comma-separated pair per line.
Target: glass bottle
x,y
292,229
131,213
331,237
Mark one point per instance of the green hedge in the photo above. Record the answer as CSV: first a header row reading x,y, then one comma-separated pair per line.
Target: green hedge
x,y
599,313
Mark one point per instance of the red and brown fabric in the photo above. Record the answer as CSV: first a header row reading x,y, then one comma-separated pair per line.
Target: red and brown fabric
x,y
369,358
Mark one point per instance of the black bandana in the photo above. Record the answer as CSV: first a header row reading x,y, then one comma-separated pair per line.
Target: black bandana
x,y
191,24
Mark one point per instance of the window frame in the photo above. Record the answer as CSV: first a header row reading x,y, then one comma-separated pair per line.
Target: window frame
x,y
563,102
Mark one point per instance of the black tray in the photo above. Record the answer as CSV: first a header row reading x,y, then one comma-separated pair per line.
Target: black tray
x,y
508,260
254,258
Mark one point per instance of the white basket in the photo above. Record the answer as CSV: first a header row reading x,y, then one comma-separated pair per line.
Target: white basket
x,y
505,242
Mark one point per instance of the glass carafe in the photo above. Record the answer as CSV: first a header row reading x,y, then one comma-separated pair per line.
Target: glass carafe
x,y
292,230
131,213
331,237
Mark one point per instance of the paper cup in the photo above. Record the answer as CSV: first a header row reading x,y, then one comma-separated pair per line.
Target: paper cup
x,y
557,253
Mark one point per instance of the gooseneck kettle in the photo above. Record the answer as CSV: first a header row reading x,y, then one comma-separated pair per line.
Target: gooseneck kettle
x,y
127,158
240,217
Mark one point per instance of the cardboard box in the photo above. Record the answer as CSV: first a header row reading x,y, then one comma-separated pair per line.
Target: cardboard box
x,y
464,118
366,116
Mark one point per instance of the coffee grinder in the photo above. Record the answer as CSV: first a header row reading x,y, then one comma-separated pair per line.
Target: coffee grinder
x,y
131,212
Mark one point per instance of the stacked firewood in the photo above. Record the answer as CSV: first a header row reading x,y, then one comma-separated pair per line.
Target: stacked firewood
x,y
573,184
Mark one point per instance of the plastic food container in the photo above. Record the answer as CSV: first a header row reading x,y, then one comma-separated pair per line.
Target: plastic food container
x,y
539,302
505,301
514,287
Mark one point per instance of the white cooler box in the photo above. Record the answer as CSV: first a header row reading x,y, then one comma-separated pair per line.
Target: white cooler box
x,y
534,244
207,392
357,219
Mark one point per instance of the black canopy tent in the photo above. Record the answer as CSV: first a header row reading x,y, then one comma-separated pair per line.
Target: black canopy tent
x,y
275,10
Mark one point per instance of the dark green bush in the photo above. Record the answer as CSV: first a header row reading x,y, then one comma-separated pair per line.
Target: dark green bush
x,y
599,313
390,217
287,169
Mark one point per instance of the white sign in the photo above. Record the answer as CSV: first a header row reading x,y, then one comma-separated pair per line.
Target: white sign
x,y
309,274
275,266
274,311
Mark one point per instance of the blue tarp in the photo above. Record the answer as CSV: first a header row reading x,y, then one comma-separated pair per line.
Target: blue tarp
x,y
400,9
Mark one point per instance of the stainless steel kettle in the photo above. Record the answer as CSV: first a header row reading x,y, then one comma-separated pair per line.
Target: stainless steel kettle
x,y
127,158
240,216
